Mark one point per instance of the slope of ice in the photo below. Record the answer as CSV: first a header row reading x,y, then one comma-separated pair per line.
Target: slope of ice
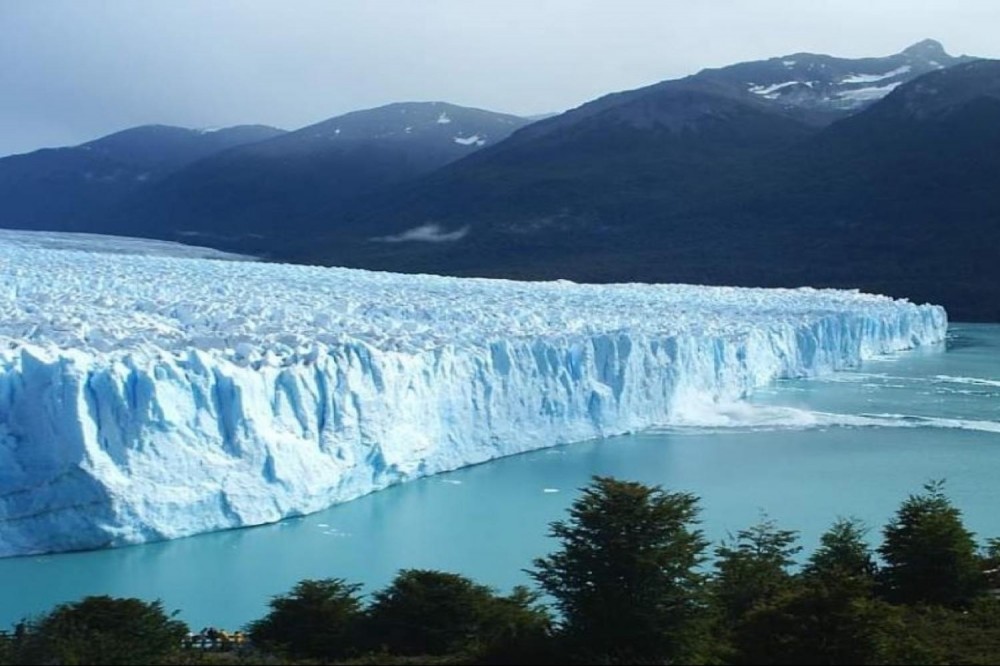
x,y
65,240
144,398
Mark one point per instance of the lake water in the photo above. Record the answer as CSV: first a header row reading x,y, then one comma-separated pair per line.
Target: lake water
x,y
803,451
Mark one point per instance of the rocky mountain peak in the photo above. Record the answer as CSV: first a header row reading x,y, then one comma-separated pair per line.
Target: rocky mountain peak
x,y
928,49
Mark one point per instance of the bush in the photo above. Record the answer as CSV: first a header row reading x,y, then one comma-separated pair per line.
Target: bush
x,y
101,630
435,613
318,619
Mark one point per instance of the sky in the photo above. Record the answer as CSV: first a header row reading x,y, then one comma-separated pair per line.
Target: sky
x,y
74,70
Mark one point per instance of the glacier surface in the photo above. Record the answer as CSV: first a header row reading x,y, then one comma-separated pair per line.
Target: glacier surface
x,y
67,240
153,397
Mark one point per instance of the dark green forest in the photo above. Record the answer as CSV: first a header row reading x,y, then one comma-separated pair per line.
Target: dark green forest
x,y
632,580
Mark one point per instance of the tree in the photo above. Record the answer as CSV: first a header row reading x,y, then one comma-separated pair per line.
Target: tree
x,y
938,635
625,577
515,629
318,619
929,555
991,563
8,649
827,616
813,623
102,630
425,612
844,556
753,568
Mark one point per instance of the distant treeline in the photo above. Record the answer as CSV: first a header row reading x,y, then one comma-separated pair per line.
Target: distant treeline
x,y
628,585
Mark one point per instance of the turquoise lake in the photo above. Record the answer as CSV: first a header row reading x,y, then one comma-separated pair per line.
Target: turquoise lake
x,y
803,451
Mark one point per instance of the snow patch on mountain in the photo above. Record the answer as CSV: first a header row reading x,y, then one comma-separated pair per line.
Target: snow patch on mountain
x,y
872,78
857,96
474,140
768,91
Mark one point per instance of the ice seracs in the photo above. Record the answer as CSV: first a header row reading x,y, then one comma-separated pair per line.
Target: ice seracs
x,y
147,397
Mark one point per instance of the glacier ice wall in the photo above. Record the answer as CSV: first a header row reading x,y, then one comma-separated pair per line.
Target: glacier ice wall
x,y
145,398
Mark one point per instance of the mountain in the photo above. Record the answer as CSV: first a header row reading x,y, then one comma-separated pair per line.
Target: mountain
x,y
701,181
810,88
252,197
875,173
578,180
632,155
819,89
902,198
164,148
70,188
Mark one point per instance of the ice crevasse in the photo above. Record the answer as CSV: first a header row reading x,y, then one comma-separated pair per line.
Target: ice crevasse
x,y
151,397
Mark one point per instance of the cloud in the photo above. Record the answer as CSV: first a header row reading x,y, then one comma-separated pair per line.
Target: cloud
x,y
73,71
425,233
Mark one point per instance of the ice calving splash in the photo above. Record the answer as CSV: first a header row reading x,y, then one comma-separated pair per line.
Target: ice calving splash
x,y
144,397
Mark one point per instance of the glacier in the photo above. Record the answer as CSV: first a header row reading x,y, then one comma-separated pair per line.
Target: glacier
x,y
68,240
154,397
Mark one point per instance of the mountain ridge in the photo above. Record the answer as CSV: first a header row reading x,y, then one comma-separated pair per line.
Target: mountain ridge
x,y
63,189
860,202
253,193
806,169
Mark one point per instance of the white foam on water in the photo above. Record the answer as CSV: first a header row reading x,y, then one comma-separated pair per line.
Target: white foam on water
x,y
744,416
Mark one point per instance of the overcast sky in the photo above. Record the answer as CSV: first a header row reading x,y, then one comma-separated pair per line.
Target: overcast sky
x,y
73,70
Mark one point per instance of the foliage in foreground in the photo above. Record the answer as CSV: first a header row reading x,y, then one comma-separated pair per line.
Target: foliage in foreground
x,y
318,618
625,579
628,582
930,557
98,630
